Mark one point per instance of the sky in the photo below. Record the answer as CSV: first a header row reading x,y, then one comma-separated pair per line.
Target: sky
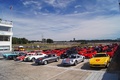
x,y
63,20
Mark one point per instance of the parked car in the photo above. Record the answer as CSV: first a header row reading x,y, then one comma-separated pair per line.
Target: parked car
x,y
20,57
11,55
89,53
19,48
68,53
34,57
46,59
110,52
73,59
100,60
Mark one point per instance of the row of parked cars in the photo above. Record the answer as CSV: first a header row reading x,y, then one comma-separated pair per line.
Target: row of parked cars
x,y
99,55
41,58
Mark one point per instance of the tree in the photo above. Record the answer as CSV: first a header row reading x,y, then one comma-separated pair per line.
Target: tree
x,y
49,41
24,41
19,40
14,40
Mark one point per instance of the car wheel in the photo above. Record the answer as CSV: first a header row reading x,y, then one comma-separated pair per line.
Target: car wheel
x,y
57,60
75,63
45,62
33,59
15,59
9,57
23,60
107,65
83,60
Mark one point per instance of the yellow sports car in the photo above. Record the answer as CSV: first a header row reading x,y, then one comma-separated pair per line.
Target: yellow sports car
x,y
100,60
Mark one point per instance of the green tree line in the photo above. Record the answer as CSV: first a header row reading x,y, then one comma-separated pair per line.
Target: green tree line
x,y
19,40
16,40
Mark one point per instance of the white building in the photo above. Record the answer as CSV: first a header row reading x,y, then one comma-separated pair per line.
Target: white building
x,y
6,35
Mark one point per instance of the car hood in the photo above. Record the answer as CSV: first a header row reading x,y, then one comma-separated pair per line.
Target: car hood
x,y
98,60
20,56
67,59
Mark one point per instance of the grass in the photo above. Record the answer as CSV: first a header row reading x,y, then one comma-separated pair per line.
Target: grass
x,y
44,46
41,46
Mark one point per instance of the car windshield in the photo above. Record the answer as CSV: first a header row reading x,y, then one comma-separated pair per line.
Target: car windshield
x,y
100,55
109,50
72,56
46,56
22,54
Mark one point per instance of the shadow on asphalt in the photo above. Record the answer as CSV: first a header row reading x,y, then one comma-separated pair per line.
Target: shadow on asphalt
x,y
110,76
34,64
5,59
87,67
60,65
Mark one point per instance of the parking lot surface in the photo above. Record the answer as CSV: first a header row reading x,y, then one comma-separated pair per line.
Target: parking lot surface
x,y
16,70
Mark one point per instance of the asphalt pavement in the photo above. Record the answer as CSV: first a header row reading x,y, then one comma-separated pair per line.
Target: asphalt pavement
x,y
16,70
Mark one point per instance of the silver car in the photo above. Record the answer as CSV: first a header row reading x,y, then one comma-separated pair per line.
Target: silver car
x,y
49,58
73,59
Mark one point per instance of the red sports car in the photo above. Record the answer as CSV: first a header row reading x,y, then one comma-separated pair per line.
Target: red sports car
x,y
110,53
20,57
90,53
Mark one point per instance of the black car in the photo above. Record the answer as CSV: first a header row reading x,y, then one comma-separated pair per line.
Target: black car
x,y
69,52
47,59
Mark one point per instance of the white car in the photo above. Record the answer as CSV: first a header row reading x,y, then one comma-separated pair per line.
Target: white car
x,y
73,59
34,57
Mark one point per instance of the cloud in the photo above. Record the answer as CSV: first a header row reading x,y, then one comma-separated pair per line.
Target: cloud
x,y
70,6
59,3
62,27
66,19
31,2
77,6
